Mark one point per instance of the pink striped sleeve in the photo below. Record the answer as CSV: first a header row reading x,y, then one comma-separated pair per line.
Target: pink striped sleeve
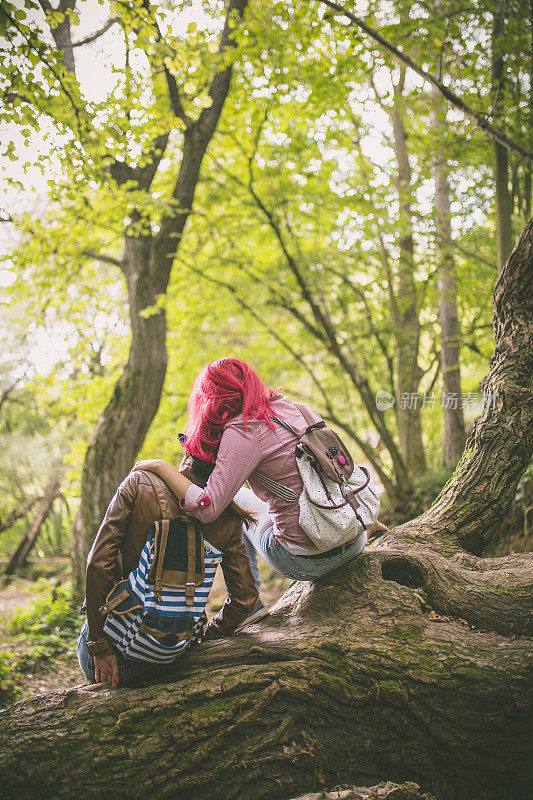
x,y
238,455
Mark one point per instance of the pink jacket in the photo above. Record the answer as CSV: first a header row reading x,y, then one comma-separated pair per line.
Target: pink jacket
x,y
256,447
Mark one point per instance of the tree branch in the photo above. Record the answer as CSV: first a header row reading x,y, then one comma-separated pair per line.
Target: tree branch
x,y
104,258
18,513
175,99
94,36
495,133
196,140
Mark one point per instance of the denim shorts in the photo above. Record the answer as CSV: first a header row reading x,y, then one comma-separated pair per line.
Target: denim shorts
x,y
304,568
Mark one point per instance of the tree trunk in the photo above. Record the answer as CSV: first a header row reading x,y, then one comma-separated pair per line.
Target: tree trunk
x,y
504,231
454,429
122,427
528,167
411,663
30,537
18,513
405,311
147,265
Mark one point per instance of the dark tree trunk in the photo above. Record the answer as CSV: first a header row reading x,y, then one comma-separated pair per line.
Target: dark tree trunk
x,y
411,663
122,427
147,264
30,537
454,429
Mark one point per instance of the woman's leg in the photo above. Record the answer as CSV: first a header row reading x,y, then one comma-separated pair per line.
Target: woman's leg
x,y
309,568
260,538
251,502
85,659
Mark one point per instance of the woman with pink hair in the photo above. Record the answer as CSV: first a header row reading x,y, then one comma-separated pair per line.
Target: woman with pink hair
x,y
231,433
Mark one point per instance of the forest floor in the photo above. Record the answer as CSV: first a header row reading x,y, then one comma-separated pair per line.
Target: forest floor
x,y
38,640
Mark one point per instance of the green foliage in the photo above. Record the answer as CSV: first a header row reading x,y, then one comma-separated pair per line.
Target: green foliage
x,y
51,623
8,688
302,171
39,638
425,490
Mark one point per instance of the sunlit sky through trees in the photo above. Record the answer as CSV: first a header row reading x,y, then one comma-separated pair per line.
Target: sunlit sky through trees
x,y
95,64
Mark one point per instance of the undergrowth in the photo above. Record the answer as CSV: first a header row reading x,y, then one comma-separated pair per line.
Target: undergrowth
x,y
40,637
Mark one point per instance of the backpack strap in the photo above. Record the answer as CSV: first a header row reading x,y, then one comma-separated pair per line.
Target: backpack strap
x,y
296,431
299,432
276,488
269,483
160,547
311,423
190,585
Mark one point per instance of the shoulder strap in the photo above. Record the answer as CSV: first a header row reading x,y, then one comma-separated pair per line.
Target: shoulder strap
x,y
269,483
296,431
190,585
276,488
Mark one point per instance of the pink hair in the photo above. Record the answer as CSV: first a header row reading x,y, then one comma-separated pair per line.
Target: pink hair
x,y
222,390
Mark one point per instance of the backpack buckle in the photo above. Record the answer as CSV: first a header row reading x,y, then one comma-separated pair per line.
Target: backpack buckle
x,y
190,588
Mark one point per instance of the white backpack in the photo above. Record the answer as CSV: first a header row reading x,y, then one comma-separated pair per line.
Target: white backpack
x,y
339,500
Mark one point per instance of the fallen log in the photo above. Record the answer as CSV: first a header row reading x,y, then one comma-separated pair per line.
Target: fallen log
x,y
30,536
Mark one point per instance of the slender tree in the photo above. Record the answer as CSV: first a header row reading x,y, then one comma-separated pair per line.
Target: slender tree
x,y
454,429
504,232
147,237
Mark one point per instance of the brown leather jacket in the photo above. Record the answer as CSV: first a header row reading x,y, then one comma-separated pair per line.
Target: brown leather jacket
x,y
141,498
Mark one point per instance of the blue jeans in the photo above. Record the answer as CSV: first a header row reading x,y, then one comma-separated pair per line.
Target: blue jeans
x,y
260,538
129,669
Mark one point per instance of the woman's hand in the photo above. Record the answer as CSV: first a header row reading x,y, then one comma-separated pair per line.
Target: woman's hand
x,y
374,531
377,526
151,464
177,482
106,668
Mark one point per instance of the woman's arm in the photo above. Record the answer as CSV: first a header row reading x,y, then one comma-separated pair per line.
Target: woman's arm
x,y
238,455
173,478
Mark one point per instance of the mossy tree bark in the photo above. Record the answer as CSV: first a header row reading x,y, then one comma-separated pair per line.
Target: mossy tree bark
x,y
411,663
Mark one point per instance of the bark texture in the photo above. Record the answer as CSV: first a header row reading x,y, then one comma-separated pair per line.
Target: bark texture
x,y
412,663
504,231
405,304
